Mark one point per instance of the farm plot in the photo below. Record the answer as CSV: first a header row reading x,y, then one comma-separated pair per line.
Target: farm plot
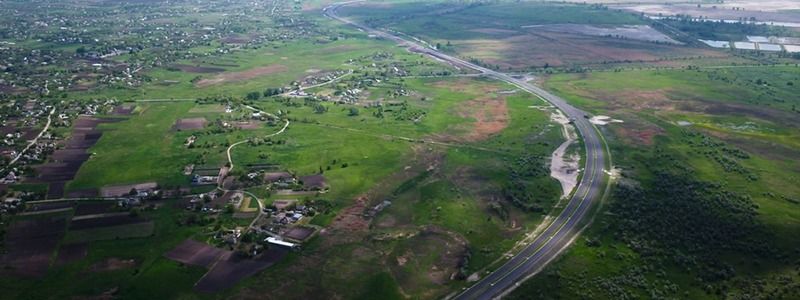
x,y
122,190
299,233
30,244
113,227
231,269
65,163
71,253
104,221
190,124
123,110
225,268
94,208
195,253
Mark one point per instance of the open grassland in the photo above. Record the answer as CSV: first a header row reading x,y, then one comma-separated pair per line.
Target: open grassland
x,y
704,207
449,171
448,212
142,148
765,88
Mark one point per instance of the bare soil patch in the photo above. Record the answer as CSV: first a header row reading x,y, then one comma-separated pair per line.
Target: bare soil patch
x,y
223,200
190,124
88,122
66,162
30,244
71,253
53,172
55,189
300,233
195,253
106,221
67,155
231,269
228,77
248,125
48,206
112,264
93,208
639,136
122,190
490,115
84,193
123,110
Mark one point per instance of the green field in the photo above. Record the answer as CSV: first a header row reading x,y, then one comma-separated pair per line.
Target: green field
x,y
433,174
730,232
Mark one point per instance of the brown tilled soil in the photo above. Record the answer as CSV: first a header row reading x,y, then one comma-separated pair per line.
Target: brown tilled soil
x,y
351,219
94,208
66,155
490,115
30,244
112,264
83,193
195,253
55,189
639,136
242,75
106,221
190,123
123,110
229,270
122,190
65,163
71,253
249,125
299,233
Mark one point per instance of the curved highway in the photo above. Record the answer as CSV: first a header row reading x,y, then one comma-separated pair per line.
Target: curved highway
x,y
566,226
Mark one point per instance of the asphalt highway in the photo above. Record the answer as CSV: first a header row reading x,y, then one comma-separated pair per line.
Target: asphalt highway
x,y
566,226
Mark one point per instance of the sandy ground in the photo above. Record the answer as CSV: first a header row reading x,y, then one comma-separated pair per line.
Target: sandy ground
x,y
563,166
603,120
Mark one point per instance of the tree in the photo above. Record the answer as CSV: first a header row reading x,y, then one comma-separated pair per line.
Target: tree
x,y
253,96
320,109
